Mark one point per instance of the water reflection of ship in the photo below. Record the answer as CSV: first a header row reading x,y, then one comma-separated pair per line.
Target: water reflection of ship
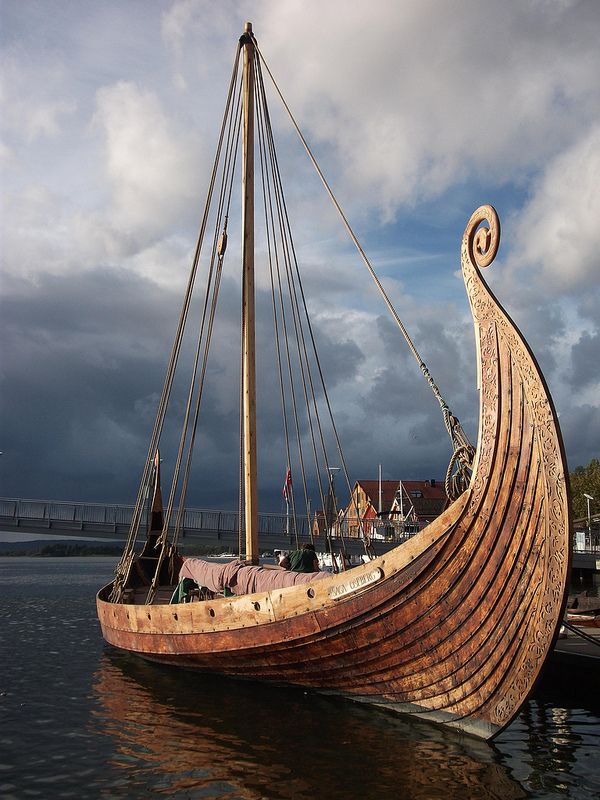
x,y
546,742
221,738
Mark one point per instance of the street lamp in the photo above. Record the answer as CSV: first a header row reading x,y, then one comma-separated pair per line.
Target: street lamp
x,y
588,497
331,506
332,471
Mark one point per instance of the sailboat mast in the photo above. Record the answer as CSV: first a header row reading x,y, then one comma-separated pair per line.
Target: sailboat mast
x,y
248,333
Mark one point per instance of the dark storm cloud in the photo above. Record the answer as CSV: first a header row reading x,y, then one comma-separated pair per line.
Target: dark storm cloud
x,y
585,359
542,324
79,366
580,426
83,365
448,352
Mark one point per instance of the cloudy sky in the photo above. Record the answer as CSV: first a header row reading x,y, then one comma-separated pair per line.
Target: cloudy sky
x,y
418,111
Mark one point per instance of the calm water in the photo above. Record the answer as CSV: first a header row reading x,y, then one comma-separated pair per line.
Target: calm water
x,y
80,720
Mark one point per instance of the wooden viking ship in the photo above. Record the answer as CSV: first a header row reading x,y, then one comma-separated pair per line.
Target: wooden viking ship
x,y
454,625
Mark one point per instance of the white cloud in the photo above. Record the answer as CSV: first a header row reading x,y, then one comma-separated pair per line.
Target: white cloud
x,y
417,96
7,157
153,168
147,172
33,99
166,262
34,232
558,234
199,36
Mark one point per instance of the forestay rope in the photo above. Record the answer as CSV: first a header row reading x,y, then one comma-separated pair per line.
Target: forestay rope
x,y
464,452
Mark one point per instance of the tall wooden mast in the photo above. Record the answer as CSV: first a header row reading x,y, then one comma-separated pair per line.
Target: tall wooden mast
x,y
248,335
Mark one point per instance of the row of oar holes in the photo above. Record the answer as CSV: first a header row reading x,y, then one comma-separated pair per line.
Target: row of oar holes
x,y
211,611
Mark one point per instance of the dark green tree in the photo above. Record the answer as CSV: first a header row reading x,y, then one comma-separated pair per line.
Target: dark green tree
x,y
585,480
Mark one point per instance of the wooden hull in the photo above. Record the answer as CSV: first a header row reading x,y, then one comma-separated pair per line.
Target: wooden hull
x,y
455,625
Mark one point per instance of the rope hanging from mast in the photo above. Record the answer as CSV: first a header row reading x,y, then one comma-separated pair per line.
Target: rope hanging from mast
x,y
282,259
290,315
179,486
123,568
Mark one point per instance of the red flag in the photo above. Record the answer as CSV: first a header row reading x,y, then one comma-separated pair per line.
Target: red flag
x,y
287,486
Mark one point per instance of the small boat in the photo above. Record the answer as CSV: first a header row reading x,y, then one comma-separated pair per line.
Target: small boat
x,y
585,619
454,625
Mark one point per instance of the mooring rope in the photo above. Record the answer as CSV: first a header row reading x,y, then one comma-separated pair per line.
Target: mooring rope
x,y
586,637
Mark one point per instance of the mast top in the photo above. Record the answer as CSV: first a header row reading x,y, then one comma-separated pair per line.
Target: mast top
x,y
247,35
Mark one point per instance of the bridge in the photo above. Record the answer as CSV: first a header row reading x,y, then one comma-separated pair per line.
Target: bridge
x,y
206,527
220,528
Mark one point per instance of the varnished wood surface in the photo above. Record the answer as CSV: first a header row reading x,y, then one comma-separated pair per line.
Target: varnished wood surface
x,y
459,625
248,325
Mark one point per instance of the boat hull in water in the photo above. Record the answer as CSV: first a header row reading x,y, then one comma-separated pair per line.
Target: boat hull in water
x,y
454,625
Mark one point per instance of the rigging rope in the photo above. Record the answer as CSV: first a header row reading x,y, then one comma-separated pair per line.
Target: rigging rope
x,y
281,256
295,288
123,568
196,386
272,244
460,442
585,636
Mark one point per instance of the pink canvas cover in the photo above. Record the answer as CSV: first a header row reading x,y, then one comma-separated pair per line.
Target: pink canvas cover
x,y
241,579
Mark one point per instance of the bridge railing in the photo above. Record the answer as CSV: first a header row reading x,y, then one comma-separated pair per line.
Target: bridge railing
x,y
93,513
587,541
41,513
45,513
97,516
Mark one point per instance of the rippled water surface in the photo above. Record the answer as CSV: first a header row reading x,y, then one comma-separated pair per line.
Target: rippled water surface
x,y
82,720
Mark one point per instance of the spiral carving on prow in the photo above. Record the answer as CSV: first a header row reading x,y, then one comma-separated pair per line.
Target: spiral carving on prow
x,y
484,241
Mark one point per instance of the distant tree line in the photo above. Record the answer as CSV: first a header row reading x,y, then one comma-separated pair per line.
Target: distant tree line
x,y
205,550
214,550
60,549
66,549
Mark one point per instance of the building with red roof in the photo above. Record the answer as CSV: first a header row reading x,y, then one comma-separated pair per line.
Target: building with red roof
x,y
407,503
